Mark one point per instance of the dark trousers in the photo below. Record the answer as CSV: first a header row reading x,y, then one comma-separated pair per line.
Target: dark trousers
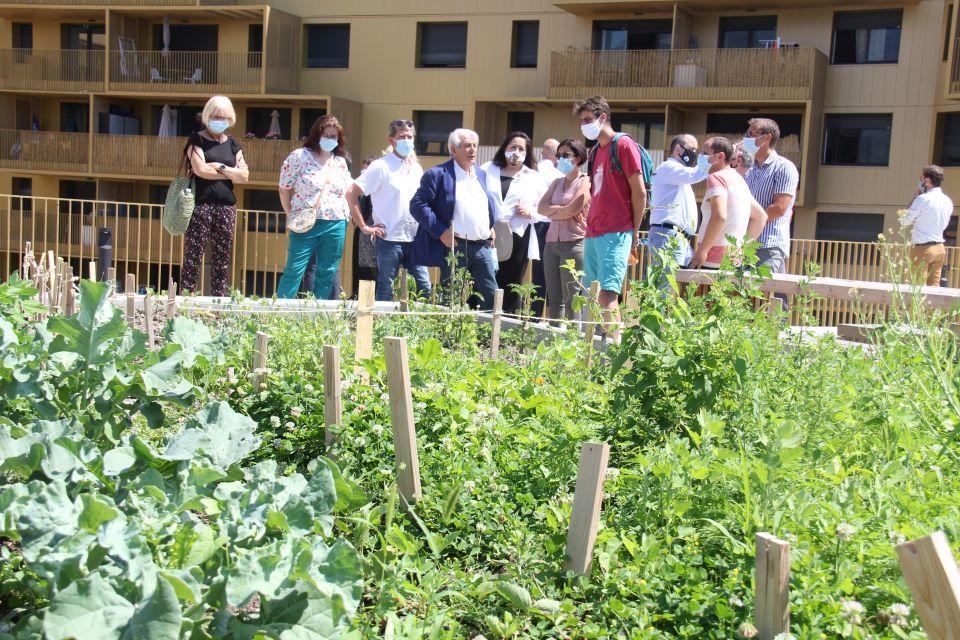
x,y
538,277
477,259
512,270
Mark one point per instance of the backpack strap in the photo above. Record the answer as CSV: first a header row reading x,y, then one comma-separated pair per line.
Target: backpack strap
x,y
614,156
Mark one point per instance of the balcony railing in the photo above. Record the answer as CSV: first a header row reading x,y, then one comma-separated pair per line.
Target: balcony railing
x,y
112,3
51,69
185,71
155,156
43,150
686,74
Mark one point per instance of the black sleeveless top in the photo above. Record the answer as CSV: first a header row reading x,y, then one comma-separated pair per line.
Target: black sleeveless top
x,y
215,191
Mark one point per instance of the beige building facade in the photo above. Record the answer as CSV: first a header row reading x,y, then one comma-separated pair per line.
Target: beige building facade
x,y
866,92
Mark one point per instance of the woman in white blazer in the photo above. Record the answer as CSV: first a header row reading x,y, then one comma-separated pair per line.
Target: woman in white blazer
x,y
516,187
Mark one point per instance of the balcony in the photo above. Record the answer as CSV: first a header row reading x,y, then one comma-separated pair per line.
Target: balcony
x,y
43,150
152,156
785,74
201,72
109,3
51,69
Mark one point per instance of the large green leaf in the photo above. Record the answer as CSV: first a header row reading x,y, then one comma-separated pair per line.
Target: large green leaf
x,y
89,333
89,609
159,617
302,614
193,340
218,432
264,570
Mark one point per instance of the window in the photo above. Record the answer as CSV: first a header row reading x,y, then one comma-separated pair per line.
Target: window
x,y
520,121
747,32
23,35
254,46
442,44
526,40
946,34
622,35
259,120
645,128
74,117
433,129
866,37
185,119
852,227
948,126
73,190
84,37
307,118
856,139
328,46
22,187
157,193
737,123
191,37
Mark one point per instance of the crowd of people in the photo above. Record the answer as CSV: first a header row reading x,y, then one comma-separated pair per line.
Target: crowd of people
x,y
513,213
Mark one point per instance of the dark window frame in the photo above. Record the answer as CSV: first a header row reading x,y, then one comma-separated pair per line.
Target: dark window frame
x,y
425,136
21,189
874,222
943,143
340,60
459,64
513,125
638,27
878,15
946,35
254,46
516,45
753,24
21,31
850,117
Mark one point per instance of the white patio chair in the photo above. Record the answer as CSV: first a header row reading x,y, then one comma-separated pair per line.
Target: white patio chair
x,y
195,78
155,75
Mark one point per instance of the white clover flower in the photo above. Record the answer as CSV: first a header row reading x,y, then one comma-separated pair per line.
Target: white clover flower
x,y
896,537
290,425
296,412
481,527
421,405
275,421
785,636
308,388
261,371
263,385
386,472
613,473
845,531
377,429
898,614
485,451
735,601
852,611
361,441
469,485
747,630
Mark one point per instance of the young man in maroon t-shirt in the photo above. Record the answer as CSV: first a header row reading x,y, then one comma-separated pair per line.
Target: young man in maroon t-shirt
x,y
616,209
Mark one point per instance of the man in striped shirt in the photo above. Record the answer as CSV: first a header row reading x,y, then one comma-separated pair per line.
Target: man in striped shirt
x,y
773,182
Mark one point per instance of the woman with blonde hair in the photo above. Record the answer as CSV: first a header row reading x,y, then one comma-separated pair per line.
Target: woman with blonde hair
x,y
215,161
313,181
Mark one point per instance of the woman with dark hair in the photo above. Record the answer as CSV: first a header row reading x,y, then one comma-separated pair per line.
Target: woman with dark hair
x,y
516,187
566,204
313,180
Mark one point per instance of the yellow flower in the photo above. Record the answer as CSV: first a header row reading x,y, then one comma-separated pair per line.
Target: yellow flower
x,y
539,380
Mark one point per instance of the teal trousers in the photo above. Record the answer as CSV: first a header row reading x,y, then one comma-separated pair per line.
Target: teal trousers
x,y
325,240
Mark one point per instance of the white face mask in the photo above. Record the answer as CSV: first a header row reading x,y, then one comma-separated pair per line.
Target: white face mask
x,y
591,130
515,157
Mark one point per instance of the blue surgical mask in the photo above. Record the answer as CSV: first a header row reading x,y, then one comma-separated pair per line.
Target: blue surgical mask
x,y
219,126
404,147
703,162
565,166
328,144
750,145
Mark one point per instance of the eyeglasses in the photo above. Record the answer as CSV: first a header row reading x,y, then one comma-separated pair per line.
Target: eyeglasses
x,y
568,156
402,123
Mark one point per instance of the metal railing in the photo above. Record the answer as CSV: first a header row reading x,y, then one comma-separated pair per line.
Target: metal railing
x,y
691,74
185,71
43,150
51,69
141,246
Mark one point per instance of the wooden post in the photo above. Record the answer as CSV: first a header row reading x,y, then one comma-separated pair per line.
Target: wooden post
x,y
364,339
131,284
587,498
590,326
128,288
52,275
931,572
259,361
332,400
92,272
401,415
112,280
774,307
404,290
59,284
69,298
148,319
497,319
772,566
171,299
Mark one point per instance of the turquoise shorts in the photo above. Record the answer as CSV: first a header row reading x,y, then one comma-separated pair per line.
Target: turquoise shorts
x,y
605,260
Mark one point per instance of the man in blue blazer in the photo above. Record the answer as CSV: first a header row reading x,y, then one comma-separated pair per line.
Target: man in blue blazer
x,y
455,215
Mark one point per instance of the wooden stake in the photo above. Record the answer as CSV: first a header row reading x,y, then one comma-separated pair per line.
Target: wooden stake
x,y
590,327
59,283
401,414
772,566
171,299
931,572
259,361
92,271
332,399
774,307
112,280
148,319
131,284
404,291
497,319
69,297
587,498
364,339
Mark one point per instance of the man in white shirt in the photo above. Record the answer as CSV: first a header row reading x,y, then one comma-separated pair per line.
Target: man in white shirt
x,y
390,182
548,161
673,207
456,216
929,214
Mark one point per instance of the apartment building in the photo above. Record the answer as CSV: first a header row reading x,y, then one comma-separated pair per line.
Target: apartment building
x,y
866,92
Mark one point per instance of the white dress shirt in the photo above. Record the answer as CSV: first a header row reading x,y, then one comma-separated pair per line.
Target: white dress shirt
x,y
527,187
929,214
549,171
671,196
391,182
471,213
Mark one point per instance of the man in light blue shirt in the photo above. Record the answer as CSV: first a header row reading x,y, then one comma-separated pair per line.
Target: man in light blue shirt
x,y
673,207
